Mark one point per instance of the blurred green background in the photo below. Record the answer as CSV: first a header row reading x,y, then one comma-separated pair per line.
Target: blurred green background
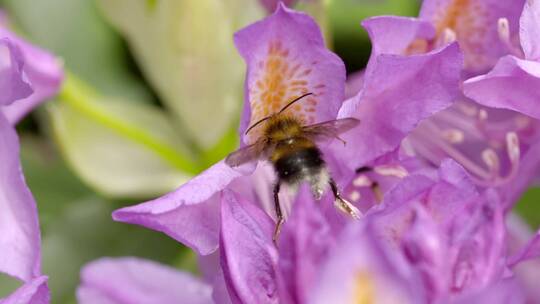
x,y
75,196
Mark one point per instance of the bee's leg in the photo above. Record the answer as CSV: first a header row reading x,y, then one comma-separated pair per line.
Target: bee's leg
x,y
342,204
279,214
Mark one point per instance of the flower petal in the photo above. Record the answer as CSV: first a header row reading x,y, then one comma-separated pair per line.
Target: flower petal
x,y
13,83
190,214
33,292
399,92
530,30
19,237
531,250
398,35
133,280
510,85
248,255
361,270
44,73
505,291
474,24
286,58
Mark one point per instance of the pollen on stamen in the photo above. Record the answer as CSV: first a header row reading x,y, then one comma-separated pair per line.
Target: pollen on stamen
x,y
503,29
449,36
512,147
453,136
391,170
468,109
355,196
362,181
482,115
491,159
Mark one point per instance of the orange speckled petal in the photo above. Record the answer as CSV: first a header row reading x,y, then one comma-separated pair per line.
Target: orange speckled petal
x,y
286,57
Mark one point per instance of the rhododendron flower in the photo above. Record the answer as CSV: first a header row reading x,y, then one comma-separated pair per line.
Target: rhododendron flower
x,y
28,75
286,41
433,229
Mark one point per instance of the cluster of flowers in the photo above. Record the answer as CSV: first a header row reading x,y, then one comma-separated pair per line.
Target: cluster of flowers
x,y
448,142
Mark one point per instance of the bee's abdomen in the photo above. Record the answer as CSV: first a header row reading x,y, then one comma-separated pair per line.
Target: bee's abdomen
x,y
296,165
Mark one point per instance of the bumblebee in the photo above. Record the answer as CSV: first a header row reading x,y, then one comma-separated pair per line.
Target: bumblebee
x,y
291,147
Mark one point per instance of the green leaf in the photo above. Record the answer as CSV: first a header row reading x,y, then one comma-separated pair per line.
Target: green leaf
x,y
186,51
122,149
529,207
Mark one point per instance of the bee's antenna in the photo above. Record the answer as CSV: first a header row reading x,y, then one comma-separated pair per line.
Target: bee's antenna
x,y
293,101
256,124
280,111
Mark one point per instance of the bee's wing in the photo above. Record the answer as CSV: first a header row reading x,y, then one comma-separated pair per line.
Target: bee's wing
x,y
247,153
330,129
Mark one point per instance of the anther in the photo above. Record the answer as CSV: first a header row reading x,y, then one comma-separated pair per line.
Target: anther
x,y
503,29
491,159
482,115
453,136
355,196
449,36
362,181
468,109
391,170
512,147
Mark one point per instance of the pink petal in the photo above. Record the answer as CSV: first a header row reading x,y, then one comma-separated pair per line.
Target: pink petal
x,y
42,70
286,57
530,30
19,228
13,82
132,280
399,92
510,85
33,292
189,214
248,255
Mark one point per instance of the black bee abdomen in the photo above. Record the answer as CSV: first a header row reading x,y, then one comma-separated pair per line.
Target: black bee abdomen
x,y
293,166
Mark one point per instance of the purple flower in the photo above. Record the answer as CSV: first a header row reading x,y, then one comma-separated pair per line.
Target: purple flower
x,y
286,57
496,147
134,280
27,76
474,24
433,230
40,74
509,85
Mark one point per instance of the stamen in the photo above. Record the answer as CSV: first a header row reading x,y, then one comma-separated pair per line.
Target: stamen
x,y
449,36
522,122
362,181
512,147
503,28
468,109
491,159
482,115
453,136
355,196
391,170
